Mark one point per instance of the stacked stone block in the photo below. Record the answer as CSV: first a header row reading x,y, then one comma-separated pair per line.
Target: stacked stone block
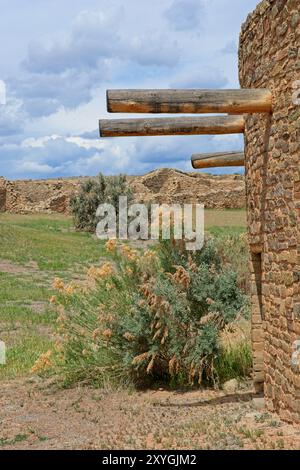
x,y
2,194
269,57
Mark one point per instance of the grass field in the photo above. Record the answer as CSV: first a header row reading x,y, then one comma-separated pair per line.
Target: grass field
x,y
233,220
34,250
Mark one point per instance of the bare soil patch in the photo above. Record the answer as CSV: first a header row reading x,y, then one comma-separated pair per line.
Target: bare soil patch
x,y
9,267
34,415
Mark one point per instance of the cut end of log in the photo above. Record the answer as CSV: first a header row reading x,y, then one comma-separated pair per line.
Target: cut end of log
x,y
101,134
219,159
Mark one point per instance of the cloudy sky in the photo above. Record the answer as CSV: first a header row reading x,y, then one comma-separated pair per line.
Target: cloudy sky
x,y
59,56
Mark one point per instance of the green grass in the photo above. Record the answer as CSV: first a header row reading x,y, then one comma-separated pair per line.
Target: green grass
x,y
23,289
224,220
19,313
50,243
234,362
221,223
21,356
53,223
15,440
47,246
225,231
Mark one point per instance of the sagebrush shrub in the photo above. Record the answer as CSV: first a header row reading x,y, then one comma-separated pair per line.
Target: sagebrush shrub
x,y
149,316
93,192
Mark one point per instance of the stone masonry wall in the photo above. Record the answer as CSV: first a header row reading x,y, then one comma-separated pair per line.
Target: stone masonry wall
x,y
41,196
2,194
269,57
160,186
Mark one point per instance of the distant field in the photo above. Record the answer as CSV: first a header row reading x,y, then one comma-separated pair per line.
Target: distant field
x,y
63,224
225,218
34,250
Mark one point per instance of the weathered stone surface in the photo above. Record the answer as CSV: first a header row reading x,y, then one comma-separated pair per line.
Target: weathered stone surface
x,y
231,386
172,186
44,196
160,186
2,194
269,59
259,404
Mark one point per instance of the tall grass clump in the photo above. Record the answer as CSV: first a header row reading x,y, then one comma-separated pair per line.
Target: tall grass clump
x,y
235,358
152,316
233,250
93,192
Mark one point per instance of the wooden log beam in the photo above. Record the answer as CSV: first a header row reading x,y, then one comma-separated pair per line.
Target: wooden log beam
x,y
189,101
172,126
219,159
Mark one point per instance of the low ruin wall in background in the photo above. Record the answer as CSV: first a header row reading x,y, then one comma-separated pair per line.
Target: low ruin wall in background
x,y
160,186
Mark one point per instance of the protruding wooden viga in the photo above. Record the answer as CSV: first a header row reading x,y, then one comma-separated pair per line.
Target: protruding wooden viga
x,y
190,101
172,126
219,159
233,102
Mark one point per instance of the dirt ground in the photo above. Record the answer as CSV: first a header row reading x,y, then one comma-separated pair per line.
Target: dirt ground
x,y
36,415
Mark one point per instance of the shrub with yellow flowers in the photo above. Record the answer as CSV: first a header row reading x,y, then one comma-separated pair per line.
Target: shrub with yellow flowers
x,y
151,315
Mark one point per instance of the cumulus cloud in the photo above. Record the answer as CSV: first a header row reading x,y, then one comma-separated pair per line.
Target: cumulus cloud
x,y
12,117
57,92
44,94
65,69
90,134
94,37
209,77
185,15
56,155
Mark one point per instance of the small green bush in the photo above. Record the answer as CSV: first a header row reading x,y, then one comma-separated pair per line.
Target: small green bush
x,y
93,192
153,316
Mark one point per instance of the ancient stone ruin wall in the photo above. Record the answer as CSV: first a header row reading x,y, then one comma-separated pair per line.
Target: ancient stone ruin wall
x,y
269,57
42,196
160,186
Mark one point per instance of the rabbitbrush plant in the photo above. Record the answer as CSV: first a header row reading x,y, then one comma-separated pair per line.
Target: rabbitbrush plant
x,y
151,316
